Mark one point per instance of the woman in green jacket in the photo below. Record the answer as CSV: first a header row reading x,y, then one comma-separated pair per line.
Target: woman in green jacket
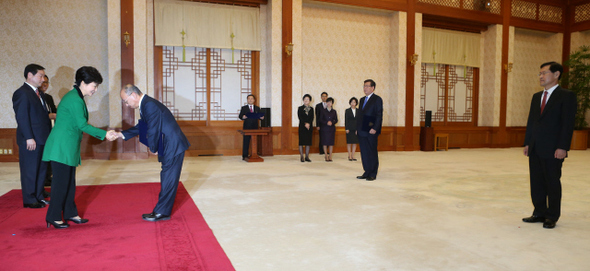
x,y
63,147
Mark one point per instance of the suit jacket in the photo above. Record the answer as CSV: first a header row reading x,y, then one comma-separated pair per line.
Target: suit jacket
x,y
50,103
249,123
32,118
160,121
370,116
554,128
63,144
318,112
350,119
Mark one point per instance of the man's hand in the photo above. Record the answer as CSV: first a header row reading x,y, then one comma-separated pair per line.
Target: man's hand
x,y
560,153
244,117
372,131
347,131
526,150
31,144
318,128
262,117
52,116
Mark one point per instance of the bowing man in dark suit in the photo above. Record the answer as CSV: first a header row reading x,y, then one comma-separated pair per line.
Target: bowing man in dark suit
x,y
318,113
249,123
369,121
162,128
548,137
33,127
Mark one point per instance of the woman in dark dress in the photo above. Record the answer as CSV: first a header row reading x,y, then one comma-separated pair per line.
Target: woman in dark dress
x,y
305,114
350,126
328,120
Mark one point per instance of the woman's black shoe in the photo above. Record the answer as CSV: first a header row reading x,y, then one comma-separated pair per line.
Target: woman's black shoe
x,y
307,159
57,225
78,220
302,160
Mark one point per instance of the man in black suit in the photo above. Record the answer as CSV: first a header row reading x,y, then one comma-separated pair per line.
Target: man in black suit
x,y
163,129
33,127
249,123
318,111
548,137
369,121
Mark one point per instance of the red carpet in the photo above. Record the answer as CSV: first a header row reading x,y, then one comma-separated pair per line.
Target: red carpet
x,y
116,238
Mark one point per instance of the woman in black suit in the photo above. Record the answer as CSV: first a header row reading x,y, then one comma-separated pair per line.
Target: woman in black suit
x,y
305,114
328,120
350,126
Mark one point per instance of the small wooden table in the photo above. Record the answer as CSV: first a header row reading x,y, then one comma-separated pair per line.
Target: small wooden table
x,y
254,142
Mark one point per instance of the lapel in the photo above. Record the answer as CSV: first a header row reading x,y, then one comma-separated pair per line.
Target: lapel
x,y
32,94
142,105
553,99
368,103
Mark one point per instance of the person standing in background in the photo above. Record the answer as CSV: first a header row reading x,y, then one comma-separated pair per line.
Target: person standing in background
x,y
549,130
350,126
33,128
52,110
305,115
369,121
249,123
328,121
318,112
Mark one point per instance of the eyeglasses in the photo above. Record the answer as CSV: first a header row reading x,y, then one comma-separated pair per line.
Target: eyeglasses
x,y
544,72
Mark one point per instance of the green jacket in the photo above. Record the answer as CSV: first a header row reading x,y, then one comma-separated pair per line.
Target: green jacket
x,y
63,144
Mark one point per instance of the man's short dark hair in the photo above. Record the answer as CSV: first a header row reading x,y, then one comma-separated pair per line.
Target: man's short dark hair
x,y
330,99
554,67
88,74
33,68
353,99
306,95
324,93
372,83
252,96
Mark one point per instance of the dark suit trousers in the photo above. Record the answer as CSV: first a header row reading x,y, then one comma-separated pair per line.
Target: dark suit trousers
x,y
246,146
320,141
369,155
32,173
169,178
545,186
63,192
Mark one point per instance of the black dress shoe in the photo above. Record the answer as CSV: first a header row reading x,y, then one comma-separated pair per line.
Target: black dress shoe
x,y
370,179
45,194
155,217
33,205
78,220
57,225
361,177
549,224
533,219
44,202
307,159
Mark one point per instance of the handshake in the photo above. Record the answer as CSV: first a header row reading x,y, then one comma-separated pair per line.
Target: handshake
x,y
112,135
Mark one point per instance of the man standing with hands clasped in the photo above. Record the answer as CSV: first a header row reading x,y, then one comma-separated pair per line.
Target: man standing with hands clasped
x,y
548,137
369,121
165,138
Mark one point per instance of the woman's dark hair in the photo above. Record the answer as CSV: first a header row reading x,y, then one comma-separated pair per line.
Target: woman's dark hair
x,y
353,99
330,99
88,74
306,95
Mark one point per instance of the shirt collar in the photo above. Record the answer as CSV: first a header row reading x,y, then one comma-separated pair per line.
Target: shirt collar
x,y
141,99
549,91
34,88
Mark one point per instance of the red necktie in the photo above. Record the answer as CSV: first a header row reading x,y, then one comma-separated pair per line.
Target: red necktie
x,y
251,111
544,101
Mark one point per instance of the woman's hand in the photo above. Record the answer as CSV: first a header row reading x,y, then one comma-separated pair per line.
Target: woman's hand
x,y
307,126
329,123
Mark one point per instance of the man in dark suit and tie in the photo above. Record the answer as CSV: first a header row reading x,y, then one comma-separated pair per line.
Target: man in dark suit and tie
x,y
548,137
249,123
369,121
33,127
163,129
318,112
52,110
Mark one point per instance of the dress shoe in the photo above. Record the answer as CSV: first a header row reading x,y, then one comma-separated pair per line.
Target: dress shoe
x,y
307,159
361,177
57,225
549,224
44,202
353,159
302,160
533,219
78,220
33,205
370,179
45,194
155,217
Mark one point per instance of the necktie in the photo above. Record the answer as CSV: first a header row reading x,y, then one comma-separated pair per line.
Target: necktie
x,y
544,101
41,100
251,111
365,103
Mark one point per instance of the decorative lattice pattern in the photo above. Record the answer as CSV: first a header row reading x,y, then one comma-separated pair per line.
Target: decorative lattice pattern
x,y
550,14
523,9
582,13
446,3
